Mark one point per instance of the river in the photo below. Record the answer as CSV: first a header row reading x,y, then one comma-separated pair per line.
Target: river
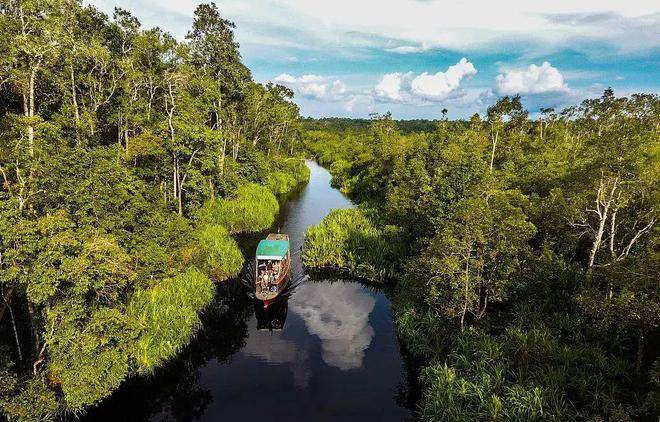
x,y
335,358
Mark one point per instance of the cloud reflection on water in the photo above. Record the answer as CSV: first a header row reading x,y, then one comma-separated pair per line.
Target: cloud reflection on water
x,y
338,314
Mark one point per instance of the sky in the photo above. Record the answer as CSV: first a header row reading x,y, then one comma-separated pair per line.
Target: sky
x,y
351,58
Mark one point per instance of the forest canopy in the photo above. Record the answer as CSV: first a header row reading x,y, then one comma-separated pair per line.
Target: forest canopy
x,y
114,139
523,253
530,286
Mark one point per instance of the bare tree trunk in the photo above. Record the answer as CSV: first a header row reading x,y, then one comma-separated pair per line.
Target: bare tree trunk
x,y
163,189
41,354
4,306
119,132
482,310
13,325
74,101
492,154
177,181
30,111
223,153
126,143
174,181
211,188
604,201
181,180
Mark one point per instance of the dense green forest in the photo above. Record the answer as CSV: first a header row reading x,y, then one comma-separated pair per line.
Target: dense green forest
x,y
346,125
525,254
128,159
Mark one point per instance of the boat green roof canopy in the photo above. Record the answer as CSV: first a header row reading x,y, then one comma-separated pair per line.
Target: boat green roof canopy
x,y
272,249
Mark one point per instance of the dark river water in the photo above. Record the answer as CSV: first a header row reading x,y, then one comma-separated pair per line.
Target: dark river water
x,y
336,357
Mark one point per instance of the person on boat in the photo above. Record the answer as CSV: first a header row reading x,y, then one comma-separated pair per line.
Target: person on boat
x,y
263,279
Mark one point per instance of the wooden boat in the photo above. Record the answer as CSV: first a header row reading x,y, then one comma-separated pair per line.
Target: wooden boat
x,y
272,266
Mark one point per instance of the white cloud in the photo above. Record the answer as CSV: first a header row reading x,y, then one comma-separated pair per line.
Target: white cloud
x,y
314,86
410,49
533,80
285,78
440,85
390,87
350,104
408,88
630,26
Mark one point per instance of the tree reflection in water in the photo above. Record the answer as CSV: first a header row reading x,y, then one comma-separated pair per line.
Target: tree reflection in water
x,y
174,391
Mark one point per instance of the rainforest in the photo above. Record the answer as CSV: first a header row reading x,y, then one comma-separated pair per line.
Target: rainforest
x,y
512,257
524,254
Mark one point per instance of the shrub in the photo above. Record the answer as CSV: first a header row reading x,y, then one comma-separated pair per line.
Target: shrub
x,y
298,169
35,402
89,358
281,183
520,375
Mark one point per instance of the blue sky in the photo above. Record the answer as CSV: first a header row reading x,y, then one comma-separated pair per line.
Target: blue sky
x,y
416,57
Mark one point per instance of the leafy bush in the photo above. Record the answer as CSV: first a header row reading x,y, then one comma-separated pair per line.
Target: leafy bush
x,y
167,315
520,375
348,240
298,169
89,363
35,402
216,253
253,209
281,183
293,173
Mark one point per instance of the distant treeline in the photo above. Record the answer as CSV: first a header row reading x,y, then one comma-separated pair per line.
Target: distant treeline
x,y
526,254
342,125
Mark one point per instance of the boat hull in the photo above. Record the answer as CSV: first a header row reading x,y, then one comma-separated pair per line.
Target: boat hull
x,y
275,288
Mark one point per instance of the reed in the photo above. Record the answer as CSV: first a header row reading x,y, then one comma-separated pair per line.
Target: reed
x,y
215,252
252,209
167,316
291,174
522,374
348,240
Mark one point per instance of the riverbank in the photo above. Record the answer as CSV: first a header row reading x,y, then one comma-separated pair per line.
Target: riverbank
x,y
335,354
508,296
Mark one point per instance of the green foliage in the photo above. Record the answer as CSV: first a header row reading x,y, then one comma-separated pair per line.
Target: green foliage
x,y
521,375
530,286
90,358
252,209
34,402
348,240
111,137
216,253
167,316
282,182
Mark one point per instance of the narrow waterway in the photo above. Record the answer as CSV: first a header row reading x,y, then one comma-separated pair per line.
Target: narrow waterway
x,y
328,352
